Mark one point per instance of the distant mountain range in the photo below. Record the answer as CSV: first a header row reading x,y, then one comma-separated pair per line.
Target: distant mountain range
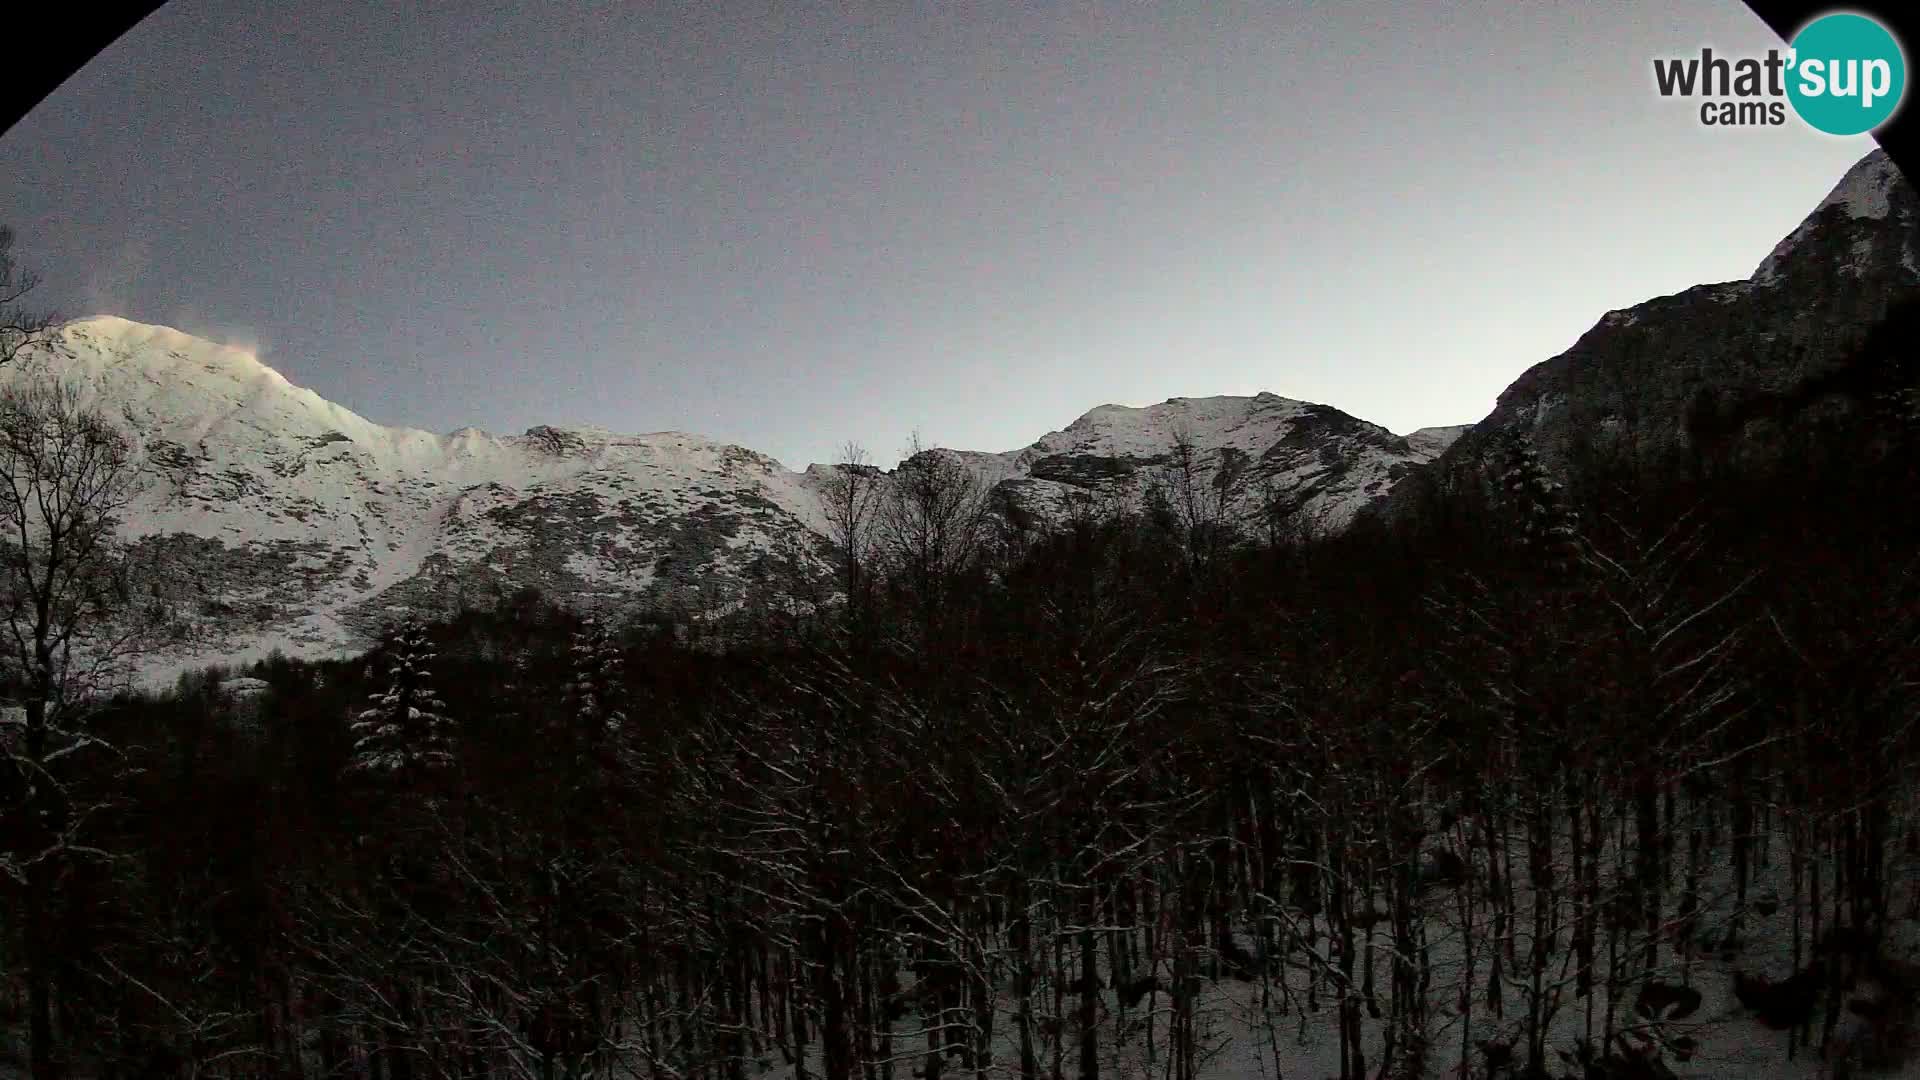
x,y
294,523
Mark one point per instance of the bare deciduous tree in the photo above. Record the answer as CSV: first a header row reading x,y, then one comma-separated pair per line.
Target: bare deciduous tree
x,y
65,475
1285,523
853,500
1200,505
21,328
931,525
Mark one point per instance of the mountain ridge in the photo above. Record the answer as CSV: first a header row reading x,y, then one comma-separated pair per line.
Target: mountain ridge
x,y
292,522
297,523
1642,380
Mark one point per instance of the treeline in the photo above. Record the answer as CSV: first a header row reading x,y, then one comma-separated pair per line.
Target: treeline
x,y
1446,787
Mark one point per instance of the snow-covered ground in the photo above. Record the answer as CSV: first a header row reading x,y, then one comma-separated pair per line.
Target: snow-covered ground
x,y
1265,1030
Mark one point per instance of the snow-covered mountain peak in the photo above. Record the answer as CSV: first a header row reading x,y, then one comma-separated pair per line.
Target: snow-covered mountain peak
x,y
1316,458
288,521
1224,420
168,384
164,349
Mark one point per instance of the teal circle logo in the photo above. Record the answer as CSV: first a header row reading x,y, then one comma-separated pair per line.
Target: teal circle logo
x,y
1848,74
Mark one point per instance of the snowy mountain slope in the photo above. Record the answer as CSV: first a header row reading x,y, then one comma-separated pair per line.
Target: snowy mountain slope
x,y
288,521
1311,457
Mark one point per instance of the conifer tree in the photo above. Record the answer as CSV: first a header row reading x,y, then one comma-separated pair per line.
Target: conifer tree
x,y
1548,522
595,687
404,732
593,719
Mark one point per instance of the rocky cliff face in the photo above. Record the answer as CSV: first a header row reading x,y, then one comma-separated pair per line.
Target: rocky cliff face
x,y
1654,379
286,521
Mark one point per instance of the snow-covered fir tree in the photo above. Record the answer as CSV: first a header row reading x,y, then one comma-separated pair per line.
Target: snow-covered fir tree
x,y
593,715
404,730
1548,523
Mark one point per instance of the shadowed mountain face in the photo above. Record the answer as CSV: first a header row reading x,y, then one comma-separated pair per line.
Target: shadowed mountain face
x,y
1718,372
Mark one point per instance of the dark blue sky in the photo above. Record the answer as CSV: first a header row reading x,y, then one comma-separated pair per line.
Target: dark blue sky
x,y
789,225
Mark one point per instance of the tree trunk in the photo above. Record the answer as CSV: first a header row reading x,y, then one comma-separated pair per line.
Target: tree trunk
x,y
1089,994
39,976
39,889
